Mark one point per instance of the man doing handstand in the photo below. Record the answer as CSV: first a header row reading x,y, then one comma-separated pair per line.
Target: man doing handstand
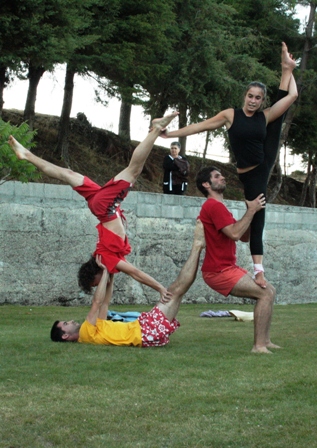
x,y
151,329
104,202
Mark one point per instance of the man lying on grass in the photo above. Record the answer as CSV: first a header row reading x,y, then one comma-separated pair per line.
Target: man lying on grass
x,y
152,328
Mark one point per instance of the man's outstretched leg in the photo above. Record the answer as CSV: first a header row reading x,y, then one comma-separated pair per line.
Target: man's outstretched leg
x,y
142,151
51,170
186,276
74,179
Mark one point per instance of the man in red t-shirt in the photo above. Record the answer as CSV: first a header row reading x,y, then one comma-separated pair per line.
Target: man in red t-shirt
x,y
219,268
104,202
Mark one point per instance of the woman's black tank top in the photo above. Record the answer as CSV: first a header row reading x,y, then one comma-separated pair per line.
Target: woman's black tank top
x,y
246,136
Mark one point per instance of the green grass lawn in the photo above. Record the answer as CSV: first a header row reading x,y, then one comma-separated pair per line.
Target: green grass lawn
x,y
205,389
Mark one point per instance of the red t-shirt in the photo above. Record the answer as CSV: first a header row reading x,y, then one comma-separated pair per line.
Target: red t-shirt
x,y
220,249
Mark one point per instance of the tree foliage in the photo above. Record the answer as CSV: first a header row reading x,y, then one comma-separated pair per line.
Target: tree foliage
x,y
122,40
36,35
183,54
10,166
217,49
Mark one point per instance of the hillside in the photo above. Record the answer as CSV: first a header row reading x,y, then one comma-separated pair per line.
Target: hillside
x,y
101,154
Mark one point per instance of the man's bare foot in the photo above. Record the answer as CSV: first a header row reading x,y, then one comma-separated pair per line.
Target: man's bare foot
x,y
260,280
19,150
261,350
288,61
199,234
271,345
161,123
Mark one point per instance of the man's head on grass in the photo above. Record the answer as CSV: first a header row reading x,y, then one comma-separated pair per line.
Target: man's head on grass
x,y
65,331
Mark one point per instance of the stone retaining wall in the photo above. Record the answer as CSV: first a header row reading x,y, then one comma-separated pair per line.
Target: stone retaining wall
x,y
47,231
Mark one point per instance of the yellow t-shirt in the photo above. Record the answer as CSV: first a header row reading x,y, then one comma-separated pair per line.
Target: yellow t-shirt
x,y
107,332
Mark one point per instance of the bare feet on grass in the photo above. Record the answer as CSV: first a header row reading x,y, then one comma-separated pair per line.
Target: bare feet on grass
x,y
161,123
261,350
19,150
271,345
266,350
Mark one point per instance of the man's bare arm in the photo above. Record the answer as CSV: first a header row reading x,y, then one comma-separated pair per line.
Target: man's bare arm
x,y
103,310
237,230
101,299
246,236
144,278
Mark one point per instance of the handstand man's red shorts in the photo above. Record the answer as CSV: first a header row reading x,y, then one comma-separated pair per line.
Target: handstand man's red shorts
x,y
104,202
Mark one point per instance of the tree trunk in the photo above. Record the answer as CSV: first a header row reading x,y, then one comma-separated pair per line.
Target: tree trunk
x,y
304,59
312,188
304,191
308,45
206,146
275,189
182,122
159,106
34,75
3,82
306,183
124,121
63,129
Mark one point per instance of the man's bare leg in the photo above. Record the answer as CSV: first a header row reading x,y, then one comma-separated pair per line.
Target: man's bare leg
x,y
186,276
51,170
263,309
262,322
142,151
269,343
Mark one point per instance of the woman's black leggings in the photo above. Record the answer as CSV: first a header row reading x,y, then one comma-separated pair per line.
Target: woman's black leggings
x,y
255,181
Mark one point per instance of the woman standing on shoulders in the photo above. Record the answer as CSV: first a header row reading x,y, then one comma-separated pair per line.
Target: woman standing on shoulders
x,y
254,135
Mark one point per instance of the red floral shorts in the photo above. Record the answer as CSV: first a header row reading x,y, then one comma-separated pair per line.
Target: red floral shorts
x,y
156,328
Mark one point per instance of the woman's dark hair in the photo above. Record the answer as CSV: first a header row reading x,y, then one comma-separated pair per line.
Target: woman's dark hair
x,y
57,333
86,274
204,176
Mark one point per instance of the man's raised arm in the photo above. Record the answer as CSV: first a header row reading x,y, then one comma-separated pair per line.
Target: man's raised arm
x,y
102,295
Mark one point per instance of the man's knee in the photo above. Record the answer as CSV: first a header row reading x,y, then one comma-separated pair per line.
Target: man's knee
x,y
177,289
272,290
268,293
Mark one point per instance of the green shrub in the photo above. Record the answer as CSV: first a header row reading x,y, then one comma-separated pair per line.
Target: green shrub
x,y
11,168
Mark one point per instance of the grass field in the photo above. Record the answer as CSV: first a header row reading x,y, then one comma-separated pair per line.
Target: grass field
x,y
205,389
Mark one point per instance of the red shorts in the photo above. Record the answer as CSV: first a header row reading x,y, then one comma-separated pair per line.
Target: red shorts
x,y
224,281
156,328
104,202
111,247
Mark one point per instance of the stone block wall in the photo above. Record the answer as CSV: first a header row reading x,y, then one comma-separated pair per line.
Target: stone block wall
x,y
47,231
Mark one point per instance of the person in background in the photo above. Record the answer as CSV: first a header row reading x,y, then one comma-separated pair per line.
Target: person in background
x,y
176,170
